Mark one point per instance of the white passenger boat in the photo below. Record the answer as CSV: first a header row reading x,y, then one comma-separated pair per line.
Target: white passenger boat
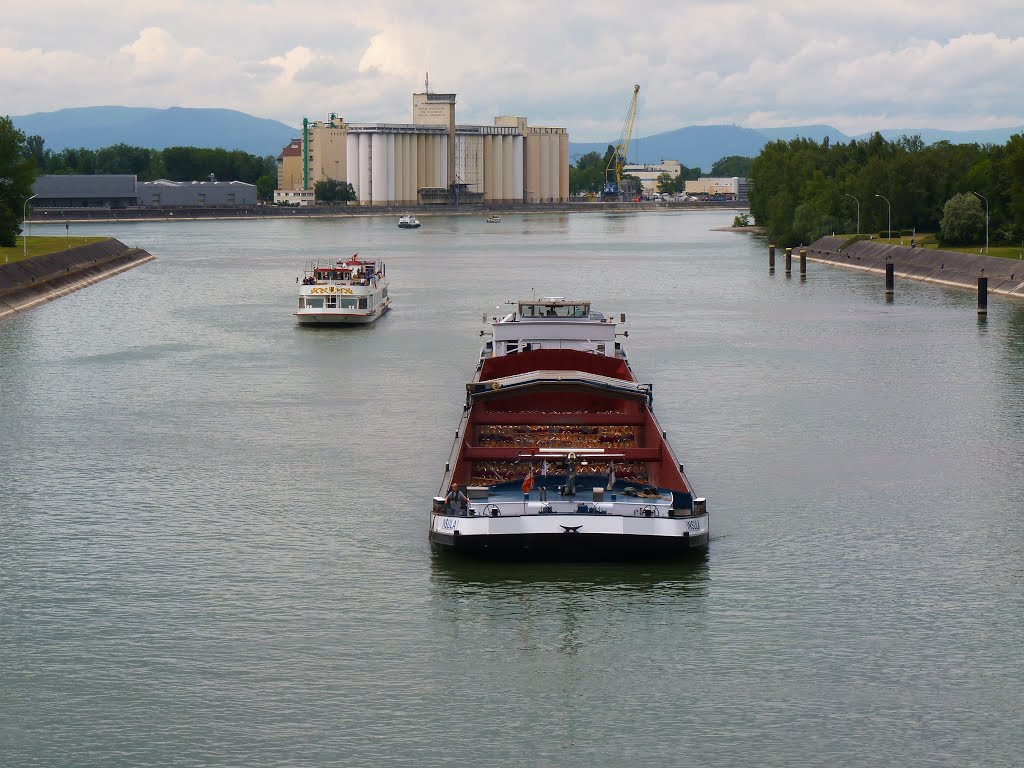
x,y
344,292
408,222
494,219
558,453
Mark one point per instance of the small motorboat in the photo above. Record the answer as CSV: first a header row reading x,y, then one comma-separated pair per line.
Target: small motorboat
x,y
408,222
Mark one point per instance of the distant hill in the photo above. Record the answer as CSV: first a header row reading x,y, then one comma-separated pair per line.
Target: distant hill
x,y
701,146
96,127
816,132
694,146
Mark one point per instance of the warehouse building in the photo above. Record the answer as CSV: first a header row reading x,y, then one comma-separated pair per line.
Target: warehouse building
x,y
649,173
85,191
432,159
192,194
733,188
119,191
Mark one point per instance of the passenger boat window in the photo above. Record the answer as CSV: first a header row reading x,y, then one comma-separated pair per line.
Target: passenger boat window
x,y
511,347
312,303
332,302
600,349
302,302
362,303
348,303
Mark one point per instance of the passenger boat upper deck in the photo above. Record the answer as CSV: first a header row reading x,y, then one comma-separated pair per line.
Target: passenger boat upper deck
x,y
343,292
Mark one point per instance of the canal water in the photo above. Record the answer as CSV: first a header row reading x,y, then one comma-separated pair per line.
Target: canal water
x,y
213,545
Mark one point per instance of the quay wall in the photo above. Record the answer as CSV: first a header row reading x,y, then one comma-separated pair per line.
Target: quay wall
x,y
30,282
82,215
949,268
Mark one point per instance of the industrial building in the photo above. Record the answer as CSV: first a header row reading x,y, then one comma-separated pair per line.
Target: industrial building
x,y
114,190
190,194
648,174
289,167
431,160
125,191
733,188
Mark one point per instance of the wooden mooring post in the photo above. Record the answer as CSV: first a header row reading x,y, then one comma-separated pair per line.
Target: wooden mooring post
x,y
789,261
803,262
890,278
771,258
982,295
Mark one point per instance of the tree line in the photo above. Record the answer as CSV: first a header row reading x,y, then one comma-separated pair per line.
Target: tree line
x,y
172,163
23,158
803,189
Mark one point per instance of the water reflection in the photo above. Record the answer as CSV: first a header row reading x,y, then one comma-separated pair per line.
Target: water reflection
x,y
462,576
561,608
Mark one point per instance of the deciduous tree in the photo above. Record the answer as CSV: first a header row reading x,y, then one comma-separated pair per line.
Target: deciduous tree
x,y
733,165
963,220
17,173
333,191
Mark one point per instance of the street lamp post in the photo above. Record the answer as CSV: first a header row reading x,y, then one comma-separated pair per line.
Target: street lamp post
x,y
986,218
24,237
858,211
890,213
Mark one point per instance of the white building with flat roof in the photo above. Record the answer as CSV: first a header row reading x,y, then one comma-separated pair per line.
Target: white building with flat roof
x,y
734,188
648,174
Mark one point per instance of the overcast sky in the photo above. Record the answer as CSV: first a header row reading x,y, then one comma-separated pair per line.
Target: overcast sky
x,y
858,66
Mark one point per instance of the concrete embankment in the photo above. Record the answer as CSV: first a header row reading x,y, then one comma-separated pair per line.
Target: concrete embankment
x,y
120,215
27,283
949,268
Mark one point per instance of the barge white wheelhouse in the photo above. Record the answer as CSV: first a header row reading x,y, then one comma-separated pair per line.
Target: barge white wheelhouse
x,y
558,453
345,292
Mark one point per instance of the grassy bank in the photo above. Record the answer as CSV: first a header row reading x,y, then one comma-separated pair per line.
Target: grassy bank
x,y
927,240
39,246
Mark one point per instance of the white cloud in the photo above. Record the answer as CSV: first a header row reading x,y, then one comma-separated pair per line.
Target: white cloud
x,y
857,66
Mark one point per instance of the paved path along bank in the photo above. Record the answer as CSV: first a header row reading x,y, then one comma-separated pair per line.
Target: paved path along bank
x,y
30,282
949,268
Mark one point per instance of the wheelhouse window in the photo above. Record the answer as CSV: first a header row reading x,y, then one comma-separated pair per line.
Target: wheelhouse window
x,y
544,309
